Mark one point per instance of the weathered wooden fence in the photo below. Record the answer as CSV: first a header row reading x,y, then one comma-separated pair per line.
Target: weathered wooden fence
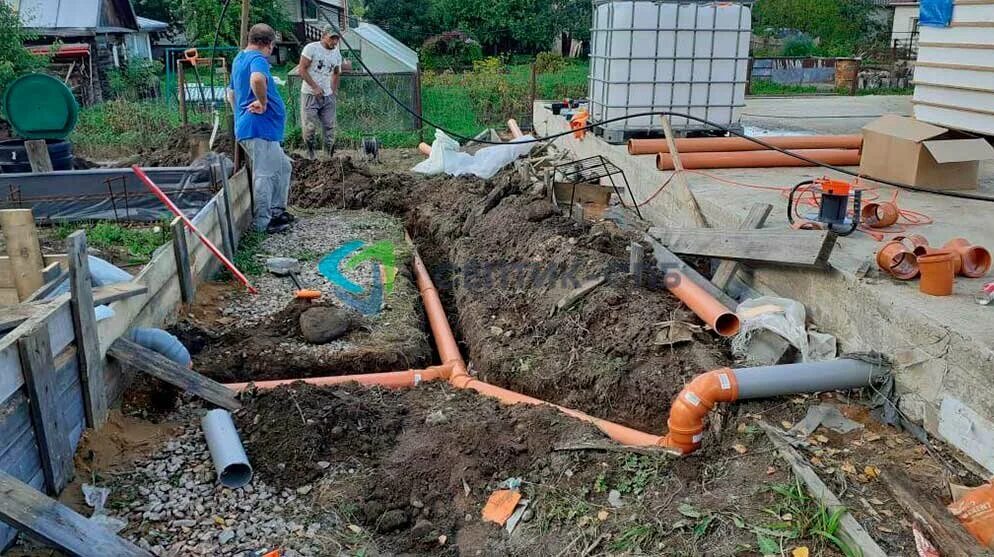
x,y
55,379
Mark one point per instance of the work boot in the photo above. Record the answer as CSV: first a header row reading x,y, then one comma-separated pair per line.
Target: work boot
x,y
310,151
283,217
277,228
330,151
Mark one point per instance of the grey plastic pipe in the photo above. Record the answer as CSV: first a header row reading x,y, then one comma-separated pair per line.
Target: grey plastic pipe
x,y
230,461
810,377
162,342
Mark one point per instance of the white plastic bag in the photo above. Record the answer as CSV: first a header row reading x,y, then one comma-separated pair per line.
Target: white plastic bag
x,y
448,159
96,497
782,316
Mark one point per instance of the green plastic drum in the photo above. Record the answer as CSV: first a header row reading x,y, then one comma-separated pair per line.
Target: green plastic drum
x,y
39,106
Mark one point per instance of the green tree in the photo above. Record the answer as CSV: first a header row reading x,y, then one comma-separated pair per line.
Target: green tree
x,y
843,26
409,21
199,19
161,10
501,26
15,58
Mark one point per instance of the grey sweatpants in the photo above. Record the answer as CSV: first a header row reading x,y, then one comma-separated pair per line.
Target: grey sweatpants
x,y
271,170
318,112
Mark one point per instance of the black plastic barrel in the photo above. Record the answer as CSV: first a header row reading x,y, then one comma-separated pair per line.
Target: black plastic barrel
x,y
14,157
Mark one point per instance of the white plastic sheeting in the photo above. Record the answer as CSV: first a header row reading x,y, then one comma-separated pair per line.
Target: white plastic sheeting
x,y
786,318
446,158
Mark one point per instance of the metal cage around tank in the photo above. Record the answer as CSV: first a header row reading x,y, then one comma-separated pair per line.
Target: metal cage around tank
x,y
649,56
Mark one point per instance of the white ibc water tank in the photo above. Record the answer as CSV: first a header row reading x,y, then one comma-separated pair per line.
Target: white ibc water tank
x,y
646,55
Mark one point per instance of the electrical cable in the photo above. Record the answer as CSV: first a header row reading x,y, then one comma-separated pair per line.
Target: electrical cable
x,y
589,127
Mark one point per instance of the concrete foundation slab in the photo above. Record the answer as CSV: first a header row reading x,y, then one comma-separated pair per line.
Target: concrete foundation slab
x,y
943,347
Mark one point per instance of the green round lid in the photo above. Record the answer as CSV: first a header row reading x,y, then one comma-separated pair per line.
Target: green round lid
x,y
39,106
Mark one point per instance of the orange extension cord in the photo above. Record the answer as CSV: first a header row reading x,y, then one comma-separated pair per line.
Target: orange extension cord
x,y
809,198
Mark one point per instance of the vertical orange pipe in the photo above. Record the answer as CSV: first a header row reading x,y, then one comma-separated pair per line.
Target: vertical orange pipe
x,y
512,125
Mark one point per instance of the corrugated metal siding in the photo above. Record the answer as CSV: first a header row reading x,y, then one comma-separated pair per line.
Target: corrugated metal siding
x,y
54,14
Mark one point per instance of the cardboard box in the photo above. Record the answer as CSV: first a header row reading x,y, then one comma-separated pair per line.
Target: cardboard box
x,y
905,150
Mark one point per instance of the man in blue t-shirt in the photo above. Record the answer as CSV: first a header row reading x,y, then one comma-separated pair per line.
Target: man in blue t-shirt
x,y
260,117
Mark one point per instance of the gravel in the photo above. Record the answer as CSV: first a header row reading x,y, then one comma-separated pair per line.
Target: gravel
x,y
174,506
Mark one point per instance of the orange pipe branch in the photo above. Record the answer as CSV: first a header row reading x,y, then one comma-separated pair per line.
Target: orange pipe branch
x,y
693,404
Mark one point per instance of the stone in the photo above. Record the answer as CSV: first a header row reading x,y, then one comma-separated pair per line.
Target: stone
x,y
304,489
323,464
436,418
527,516
321,325
391,521
422,528
226,536
614,499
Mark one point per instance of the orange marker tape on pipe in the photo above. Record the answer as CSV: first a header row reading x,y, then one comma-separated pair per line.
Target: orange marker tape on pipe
x,y
730,144
703,304
759,159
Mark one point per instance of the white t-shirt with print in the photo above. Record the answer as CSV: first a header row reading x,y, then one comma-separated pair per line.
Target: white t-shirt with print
x,y
323,64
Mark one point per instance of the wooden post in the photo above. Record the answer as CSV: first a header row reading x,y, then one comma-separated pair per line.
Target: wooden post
x,y
232,237
681,187
52,433
755,219
91,369
57,525
181,250
635,262
222,223
181,81
246,10
38,155
23,249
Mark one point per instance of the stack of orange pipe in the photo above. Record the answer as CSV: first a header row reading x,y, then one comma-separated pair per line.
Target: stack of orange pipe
x,y
737,152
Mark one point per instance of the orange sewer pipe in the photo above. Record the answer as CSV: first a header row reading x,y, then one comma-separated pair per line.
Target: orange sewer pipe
x,y
512,125
703,304
425,149
728,144
759,159
687,413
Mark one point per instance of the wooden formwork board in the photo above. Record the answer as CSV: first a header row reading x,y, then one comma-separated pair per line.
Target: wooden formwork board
x,y
21,449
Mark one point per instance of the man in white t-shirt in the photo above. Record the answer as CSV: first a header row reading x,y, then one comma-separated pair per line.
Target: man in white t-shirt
x,y
321,69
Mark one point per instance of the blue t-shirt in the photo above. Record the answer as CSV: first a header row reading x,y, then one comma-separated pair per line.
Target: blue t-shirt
x,y
268,125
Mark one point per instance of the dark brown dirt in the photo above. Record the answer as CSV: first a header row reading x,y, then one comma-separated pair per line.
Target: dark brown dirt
x,y
262,352
502,271
184,146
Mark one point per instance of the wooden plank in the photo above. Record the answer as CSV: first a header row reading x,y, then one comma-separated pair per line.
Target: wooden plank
x,y
807,248
936,522
51,285
181,252
142,359
23,250
38,367
681,188
84,319
56,524
12,317
38,155
666,261
849,529
728,268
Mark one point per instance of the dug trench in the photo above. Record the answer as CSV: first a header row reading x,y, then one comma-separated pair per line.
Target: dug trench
x,y
408,472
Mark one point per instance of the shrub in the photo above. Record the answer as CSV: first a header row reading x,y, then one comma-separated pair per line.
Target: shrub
x,y
799,45
549,62
138,80
453,50
15,59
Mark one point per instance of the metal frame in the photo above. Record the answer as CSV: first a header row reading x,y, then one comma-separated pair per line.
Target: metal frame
x,y
605,54
589,170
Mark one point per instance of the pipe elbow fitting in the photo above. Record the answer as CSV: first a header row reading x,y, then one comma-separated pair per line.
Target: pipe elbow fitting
x,y
692,405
